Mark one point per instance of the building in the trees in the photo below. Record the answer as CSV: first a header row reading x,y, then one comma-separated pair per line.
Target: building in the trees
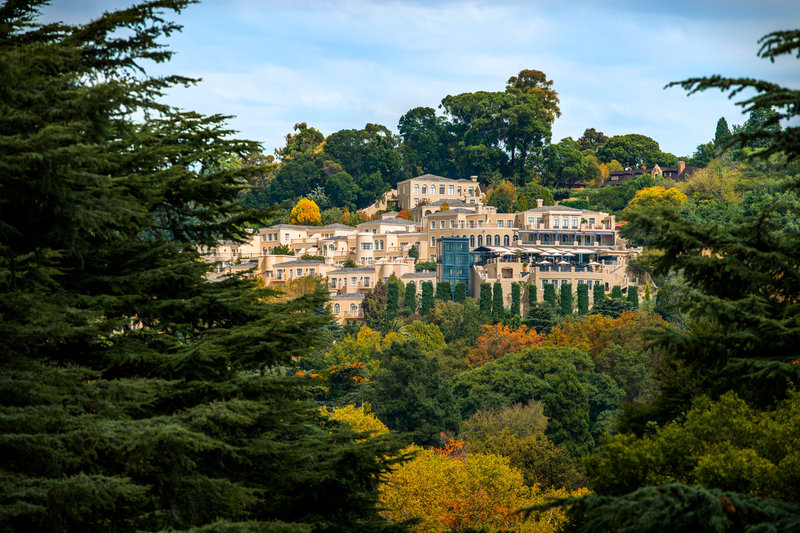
x,y
546,244
429,188
678,173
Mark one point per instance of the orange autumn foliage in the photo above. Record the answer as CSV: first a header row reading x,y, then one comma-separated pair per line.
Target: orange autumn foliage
x,y
497,340
595,333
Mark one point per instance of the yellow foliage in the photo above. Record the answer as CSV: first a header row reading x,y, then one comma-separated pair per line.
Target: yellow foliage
x,y
361,348
360,419
716,182
305,213
479,491
657,196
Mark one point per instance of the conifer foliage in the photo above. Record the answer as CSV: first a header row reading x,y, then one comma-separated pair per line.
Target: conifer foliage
x,y
134,394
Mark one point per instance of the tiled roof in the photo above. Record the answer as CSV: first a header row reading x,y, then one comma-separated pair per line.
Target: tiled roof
x,y
351,270
348,296
419,275
301,262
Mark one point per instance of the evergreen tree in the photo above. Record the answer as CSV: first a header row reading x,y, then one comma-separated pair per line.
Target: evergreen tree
x,y
616,292
444,291
135,394
647,291
427,298
410,298
460,293
486,299
598,293
498,309
633,295
565,299
392,299
550,295
410,395
541,316
583,298
515,299
567,409
531,294
722,132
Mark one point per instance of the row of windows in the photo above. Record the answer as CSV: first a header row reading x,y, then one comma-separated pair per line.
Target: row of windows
x,y
451,189
354,309
590,283
279,272
490,241
269,236
353,282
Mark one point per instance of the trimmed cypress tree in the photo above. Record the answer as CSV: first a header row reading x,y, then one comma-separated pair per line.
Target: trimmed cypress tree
x,y
444,291
410,297
427,298
486,299
460,293
633,295
392,300
616,292
583,298
498,309
566,300
598,293
531,294
550,295
135,395
647,291
515,299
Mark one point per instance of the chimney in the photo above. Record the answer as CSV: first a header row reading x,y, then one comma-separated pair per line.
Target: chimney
x,y
681,167
539,202
474,178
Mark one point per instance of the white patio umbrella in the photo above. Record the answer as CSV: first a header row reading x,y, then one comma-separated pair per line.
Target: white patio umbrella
x,y
593,263
562,262
569,255
543,263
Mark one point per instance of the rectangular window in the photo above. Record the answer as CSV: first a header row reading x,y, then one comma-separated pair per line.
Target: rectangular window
x,y
451,190
472,191
591,221
280,274
471,223
452,224
499,223
433,224
531,220
441,224
366,246
555,222
299,272
344,282
286,236
565,222
574,222
416,202
441,189
366,281
353,280
263,237
311,271
480,223
459,191
333,283
461,224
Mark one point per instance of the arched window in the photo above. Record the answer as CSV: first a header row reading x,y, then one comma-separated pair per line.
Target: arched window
x,y
505,240
480,240
424,189
336,309
353,308
332,247
497,240
472,241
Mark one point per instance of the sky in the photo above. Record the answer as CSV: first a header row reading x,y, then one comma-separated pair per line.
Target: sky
x,y
345,63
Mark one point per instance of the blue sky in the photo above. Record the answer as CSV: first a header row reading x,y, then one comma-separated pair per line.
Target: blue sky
x,y
341,64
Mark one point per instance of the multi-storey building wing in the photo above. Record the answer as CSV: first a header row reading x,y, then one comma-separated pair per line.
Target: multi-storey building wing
x,y
429,188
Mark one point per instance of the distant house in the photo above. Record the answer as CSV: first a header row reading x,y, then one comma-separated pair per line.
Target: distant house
x,y
678,173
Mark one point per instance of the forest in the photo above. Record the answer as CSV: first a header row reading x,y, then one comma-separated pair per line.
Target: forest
x,y
137,395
